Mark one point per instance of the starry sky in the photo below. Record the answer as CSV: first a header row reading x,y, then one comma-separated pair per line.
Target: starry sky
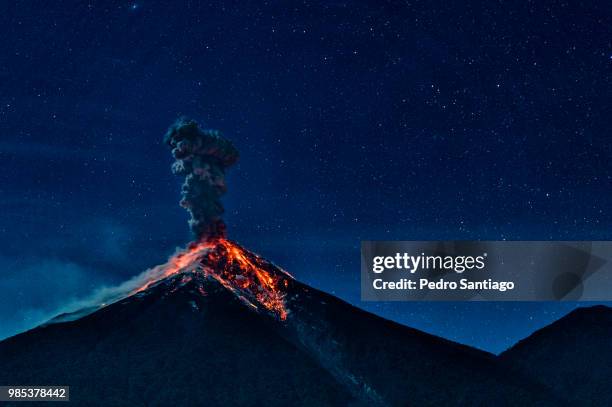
x,y
356,120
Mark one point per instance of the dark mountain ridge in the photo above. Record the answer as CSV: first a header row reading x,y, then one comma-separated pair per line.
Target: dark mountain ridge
x,y
572,356
188,339
219,325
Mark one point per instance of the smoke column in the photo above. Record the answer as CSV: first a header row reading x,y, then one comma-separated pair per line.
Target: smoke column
x,y
202,156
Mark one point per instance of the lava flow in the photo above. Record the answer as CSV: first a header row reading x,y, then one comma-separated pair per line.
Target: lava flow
x,y
250,277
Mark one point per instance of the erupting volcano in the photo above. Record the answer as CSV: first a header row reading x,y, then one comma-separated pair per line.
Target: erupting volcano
x,y
219,325
203,156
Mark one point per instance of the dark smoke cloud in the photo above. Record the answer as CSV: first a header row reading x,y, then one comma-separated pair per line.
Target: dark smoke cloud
x,y
202,156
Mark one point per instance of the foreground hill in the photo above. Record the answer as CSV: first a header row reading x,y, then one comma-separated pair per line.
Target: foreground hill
x,y
572,356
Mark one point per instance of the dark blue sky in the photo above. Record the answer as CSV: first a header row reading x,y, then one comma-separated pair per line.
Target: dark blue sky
x,y
355,120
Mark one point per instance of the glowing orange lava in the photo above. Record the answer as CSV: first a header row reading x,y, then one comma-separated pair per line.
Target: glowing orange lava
x,y
250,277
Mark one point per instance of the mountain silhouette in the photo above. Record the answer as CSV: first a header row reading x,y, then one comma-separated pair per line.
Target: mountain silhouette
x,y
196,338
572,356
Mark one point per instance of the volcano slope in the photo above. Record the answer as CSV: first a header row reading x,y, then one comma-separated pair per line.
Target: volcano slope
x,y
198,336
174,344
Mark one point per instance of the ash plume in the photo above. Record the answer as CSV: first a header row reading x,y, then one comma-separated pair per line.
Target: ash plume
x,y
202,156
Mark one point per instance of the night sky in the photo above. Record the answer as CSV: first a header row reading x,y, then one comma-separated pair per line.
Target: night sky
x,y
355,121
